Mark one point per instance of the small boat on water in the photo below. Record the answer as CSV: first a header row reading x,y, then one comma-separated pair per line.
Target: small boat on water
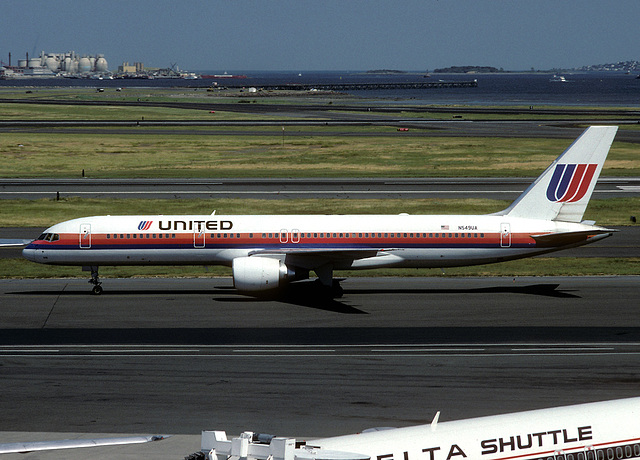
x,y
559,78
224,75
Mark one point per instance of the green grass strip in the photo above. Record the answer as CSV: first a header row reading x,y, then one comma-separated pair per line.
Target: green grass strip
x,y
46,212
539,266
180,155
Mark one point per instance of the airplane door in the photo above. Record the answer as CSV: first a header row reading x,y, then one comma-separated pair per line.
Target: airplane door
x,y
284,235
295,235
199,237
505,235
85,236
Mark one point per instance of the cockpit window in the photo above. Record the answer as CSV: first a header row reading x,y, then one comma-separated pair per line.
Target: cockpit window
x,y
49,237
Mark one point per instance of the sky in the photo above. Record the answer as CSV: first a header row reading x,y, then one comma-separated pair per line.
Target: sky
x,y
232,35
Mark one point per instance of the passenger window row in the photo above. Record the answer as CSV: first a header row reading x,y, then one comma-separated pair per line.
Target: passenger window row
x,y
142,236
373,235
609,453
56,237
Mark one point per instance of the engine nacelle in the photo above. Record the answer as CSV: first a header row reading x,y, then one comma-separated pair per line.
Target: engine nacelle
x,y
259,273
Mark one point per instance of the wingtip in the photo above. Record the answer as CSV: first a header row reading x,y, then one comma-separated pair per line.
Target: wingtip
x,y
159,437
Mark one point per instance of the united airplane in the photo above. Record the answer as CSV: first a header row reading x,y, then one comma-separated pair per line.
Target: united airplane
x,y
608,430
266,252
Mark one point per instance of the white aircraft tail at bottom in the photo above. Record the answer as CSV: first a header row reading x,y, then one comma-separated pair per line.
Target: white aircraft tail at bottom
x,y
607,430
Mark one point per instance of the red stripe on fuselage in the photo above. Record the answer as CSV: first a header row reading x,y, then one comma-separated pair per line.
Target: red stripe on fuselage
x,y
211,240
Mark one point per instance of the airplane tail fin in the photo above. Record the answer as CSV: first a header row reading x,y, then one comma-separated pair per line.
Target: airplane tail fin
x,y
563,190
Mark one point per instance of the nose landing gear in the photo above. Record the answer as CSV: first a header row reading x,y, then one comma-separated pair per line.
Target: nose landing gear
x,y
95,280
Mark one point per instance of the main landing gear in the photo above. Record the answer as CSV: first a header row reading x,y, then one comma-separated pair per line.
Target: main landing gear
x,y
95,279
330,287
336,289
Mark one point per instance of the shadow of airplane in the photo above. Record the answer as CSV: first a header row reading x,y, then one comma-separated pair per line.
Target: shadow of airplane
x,y
545,290
310,294
305,294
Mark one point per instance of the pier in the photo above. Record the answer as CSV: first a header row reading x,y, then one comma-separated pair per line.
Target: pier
x,y
369,86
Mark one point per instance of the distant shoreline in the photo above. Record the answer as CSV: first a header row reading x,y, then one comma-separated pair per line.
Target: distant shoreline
x,y
501,72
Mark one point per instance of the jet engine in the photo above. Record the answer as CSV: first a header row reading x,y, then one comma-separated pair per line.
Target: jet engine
x,y
260,273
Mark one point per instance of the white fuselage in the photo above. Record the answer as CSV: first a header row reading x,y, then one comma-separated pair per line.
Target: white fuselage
x,y
605,430
364,241
608,430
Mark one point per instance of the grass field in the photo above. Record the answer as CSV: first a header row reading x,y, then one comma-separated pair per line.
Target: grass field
x,y
369,151
181,155
46,212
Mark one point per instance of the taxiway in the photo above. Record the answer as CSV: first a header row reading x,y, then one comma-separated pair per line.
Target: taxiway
x,y
507,188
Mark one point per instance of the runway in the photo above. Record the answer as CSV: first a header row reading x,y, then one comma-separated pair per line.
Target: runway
x,y
386,188
565,129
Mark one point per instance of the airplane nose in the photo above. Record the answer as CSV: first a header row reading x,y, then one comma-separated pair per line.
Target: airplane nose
x,y
29,254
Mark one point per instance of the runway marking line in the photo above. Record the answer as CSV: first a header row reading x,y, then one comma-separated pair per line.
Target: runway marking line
x,y
277,350
163,350
319,355
336,350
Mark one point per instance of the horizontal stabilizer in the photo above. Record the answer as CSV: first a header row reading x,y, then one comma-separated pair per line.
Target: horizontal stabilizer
x,y
553,240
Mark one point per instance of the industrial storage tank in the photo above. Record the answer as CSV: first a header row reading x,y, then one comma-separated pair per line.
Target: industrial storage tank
x,y
52,64
84,65
69,63
101,64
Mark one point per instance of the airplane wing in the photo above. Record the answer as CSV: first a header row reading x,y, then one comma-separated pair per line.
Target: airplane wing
x,y
312,258
333,253
24,447
10,242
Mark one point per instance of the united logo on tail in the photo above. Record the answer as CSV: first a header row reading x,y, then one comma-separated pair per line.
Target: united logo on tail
x,y
144,224
570,182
